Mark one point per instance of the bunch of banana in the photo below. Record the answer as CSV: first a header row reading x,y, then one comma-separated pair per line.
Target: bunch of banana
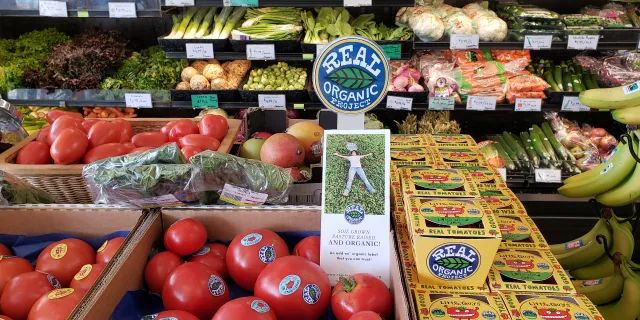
x,y
627,307
625,101
614,183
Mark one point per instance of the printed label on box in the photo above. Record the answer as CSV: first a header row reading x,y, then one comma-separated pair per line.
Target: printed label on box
x,y
241,196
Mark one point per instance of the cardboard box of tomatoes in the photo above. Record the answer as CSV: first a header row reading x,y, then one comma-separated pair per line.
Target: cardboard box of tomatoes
x,y
265,269
51,257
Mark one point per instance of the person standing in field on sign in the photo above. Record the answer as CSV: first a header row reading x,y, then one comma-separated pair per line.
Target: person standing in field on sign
x,y
355,168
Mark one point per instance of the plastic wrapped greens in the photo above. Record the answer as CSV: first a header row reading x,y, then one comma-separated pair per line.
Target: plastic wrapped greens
x,y
16,191
167,154
239,180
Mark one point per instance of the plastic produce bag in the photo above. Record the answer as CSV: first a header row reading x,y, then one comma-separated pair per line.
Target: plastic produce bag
x,y
167,154
16,191
444,84
239,180
571,136
429,61
601,138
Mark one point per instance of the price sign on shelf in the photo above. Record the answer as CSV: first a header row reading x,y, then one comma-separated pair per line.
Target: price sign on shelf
x,y
393,51
240,3
138,100
537,42
122,10
441,103
357,3
548,175
261,52
204,100
399,103
481,103
199,50
180,3
528,104
583,42
572,103
53,9
464,41
272,101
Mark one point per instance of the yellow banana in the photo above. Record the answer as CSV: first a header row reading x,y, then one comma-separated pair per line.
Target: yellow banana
x,y
624,193
622,242
627,308
612,98
627,115
616,170
601,291
561,248
586,254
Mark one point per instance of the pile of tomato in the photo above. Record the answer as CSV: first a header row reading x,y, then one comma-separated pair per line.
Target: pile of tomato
x,y
71,139
192,277
65,270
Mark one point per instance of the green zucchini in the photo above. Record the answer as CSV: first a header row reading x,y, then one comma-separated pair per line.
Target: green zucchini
x,y
566,80
526,140
577,67
586,80
575,80
512,155
549,78
594,80
557,76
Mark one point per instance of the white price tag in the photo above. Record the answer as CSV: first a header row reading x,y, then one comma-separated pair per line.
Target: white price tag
x,y
399,103
320,48
122,10
464,41
357,3
200,50
138,100
53,8
523,104
180,3
537,42
442,103
159,201
272,101
572,103
583,42
548,175
503,173
261,52
241,196
481,103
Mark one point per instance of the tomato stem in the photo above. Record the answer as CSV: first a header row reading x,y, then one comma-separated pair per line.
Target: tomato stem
x,y
348,284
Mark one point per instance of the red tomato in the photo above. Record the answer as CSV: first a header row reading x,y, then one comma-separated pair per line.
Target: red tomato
x,y
5,251
43,134
200,141
86,277
105,151
173,315
64,258
149,139
214,256
34,152
108,249
167,127
102,133
88,123
366,315
360,292
141,149
55,305
249,308
250,252
23,291
69,147
5,317
130,146
61,124
185,237
195,288
189,151
159,268
308,248
125,128
213,125
279,281
53,115
182,128
10,267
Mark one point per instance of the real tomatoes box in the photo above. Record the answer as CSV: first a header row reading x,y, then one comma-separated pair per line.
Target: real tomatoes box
x,y
27,230
222,224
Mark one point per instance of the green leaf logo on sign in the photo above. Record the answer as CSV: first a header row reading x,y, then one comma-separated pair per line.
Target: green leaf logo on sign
x,y
351,78
454,263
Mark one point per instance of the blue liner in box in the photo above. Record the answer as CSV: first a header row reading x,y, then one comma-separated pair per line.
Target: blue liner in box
x,y
139,303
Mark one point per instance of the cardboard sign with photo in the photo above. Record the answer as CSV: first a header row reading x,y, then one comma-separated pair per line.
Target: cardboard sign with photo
x,y
355,217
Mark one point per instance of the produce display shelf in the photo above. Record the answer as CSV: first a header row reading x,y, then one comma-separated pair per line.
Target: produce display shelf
x,y
73,13
519,45
295,3
279,56
79,103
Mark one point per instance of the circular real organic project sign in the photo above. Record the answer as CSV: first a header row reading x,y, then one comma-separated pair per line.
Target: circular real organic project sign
x,y
351,75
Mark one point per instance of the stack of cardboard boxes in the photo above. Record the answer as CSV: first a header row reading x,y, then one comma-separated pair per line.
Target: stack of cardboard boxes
x,y
468,248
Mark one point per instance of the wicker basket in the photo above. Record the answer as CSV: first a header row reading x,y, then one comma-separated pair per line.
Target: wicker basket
x,y
65,182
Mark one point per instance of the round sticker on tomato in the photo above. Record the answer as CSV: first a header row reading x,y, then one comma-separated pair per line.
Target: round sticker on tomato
x,y
289,284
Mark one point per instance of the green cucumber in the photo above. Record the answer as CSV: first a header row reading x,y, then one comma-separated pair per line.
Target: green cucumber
x,y
526,140
549,78
557,76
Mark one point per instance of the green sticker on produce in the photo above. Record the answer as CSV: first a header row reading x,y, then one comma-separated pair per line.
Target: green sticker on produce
x,y
83,14
393,51
204,100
